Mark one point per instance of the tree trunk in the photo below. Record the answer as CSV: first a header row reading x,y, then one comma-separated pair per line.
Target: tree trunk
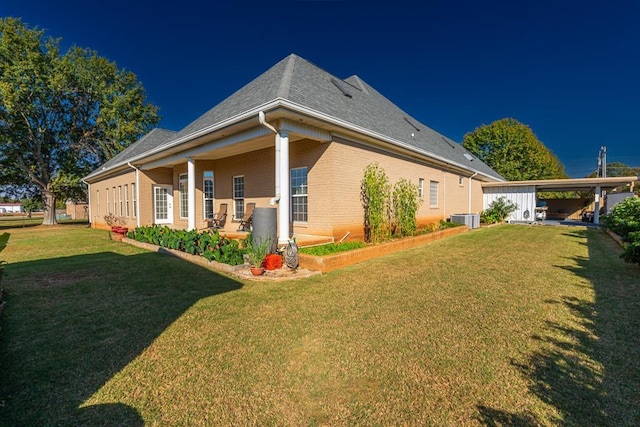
x,y
49,208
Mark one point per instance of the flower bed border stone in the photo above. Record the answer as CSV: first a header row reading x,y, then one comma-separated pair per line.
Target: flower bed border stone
x,y
333,262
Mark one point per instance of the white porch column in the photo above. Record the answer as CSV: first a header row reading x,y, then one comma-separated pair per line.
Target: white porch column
x,y
596,211
136,208
277,164
191,193
285,188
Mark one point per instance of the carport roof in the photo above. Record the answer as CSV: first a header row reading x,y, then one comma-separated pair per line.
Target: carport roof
x,y
572,184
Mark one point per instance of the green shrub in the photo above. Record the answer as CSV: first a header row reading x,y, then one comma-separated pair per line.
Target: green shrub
x,y
448,224
631,252
208,244
405,207
624,217
375,192
624,220
498,211
332,248
387,213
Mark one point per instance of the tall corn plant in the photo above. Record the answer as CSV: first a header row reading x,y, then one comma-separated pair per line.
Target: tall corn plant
x,y
375,192
405,207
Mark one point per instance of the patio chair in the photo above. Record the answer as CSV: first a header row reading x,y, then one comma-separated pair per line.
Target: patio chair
x,y
245,222
218,219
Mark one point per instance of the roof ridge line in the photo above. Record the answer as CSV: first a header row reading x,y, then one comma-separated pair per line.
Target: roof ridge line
x,y
287,75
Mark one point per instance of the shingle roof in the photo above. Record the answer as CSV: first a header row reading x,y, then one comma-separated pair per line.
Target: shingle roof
x,y
350,101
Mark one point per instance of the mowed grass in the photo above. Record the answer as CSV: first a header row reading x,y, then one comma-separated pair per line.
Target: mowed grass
x,y
510,325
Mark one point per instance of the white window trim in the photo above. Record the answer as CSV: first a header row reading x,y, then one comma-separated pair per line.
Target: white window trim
x,y
421,188
98,202
120,200
204,194
235,199
432,203
134,199
299,195
183,178
127,210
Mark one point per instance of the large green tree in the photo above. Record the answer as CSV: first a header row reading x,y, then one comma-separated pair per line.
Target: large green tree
x,y
618,169
62,114
512,150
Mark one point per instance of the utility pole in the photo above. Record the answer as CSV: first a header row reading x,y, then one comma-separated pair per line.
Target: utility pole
x,y
602,162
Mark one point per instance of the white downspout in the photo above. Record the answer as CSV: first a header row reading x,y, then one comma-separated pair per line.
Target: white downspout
x,y
263,122
470,184
281,180
137,193
191,193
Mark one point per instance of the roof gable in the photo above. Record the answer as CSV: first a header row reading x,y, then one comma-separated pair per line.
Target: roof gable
x,y
350,101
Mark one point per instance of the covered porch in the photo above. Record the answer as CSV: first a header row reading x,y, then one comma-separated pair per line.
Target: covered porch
x,y
235,167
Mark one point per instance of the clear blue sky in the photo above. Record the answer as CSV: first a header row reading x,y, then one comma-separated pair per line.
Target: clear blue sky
x,y
568,69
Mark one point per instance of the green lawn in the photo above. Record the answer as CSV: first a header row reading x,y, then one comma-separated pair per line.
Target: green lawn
x,y
510,325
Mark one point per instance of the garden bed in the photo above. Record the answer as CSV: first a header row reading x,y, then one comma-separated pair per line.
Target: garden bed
x,y
195,259
343,259
322,264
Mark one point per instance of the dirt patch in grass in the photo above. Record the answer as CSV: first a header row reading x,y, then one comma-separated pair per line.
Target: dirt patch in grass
x,y
68,278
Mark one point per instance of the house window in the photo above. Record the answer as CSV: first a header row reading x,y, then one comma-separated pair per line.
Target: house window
x,y
421,188
184,195
134,199
120,199
433,194
207,194
115,202
108,205
299,206
461,181
238,197
126,199
98,202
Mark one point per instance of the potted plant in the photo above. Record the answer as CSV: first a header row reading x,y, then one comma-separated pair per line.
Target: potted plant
x,y
256,254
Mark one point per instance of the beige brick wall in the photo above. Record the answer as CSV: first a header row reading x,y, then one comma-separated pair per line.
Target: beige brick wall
x,y
335,172
343,166
99,199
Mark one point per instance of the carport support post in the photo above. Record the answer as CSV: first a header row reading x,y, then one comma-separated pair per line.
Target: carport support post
x,y
191,193
285,187
596,210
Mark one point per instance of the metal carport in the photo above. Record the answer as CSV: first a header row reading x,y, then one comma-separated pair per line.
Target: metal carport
x,y
524,193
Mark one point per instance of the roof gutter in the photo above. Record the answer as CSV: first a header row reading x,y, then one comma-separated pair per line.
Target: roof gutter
x,y
280,102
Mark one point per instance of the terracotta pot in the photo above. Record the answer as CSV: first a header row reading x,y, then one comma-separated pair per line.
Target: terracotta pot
x,y
257,271
117,237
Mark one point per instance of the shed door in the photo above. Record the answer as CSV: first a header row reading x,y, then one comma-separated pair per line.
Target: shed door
x,y
163,204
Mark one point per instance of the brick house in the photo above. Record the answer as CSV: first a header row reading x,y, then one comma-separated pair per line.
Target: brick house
x,y
296,138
